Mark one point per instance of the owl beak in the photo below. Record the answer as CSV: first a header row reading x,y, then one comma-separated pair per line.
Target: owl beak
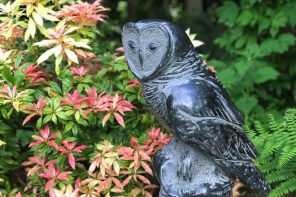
x,y
141,57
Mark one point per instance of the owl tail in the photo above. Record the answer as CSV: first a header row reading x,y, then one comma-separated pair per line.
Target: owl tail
x,y
249,174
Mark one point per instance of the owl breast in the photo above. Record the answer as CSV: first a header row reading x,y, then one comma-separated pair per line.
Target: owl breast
x,y
156,100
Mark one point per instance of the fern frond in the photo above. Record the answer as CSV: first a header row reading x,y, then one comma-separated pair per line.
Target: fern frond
x,y
276,143
284,188
288,154
280,175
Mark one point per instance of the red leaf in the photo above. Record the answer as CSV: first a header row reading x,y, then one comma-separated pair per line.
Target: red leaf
x,y
144,179
53,135
77,183
125,151
119,119
147,168
72,160
28,118
53,144
63,176
117,182
38,138
49,184
45,133
19,194
134,142
34,144
144,156
52,193
127,180
62,150
79,148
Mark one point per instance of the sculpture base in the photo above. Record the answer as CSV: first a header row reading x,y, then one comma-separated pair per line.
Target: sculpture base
x,y
185,172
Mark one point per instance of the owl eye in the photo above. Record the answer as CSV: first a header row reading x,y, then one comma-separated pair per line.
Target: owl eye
x,y
131,44
153,47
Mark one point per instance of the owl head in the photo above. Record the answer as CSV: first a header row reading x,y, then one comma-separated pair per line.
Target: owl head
x,y
150,46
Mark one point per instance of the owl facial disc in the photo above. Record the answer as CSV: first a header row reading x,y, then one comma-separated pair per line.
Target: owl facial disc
x,y
145,48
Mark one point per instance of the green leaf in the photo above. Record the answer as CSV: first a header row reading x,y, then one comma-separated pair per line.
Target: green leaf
x,y
77,116
227,77
268,46
228,13
217,64
47,118
39,123
54,119
18,60
55,87
69,126
243,66
264,24
245,17
284,41
279,21
247,104
62,115
264,74
75,130
7,75
18,77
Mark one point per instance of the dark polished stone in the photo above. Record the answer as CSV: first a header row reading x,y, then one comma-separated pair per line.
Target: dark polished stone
x,y
210,148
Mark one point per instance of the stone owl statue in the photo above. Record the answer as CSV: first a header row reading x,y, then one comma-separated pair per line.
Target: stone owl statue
x,y
192,104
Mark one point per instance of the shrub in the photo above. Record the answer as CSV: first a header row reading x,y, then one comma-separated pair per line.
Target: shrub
x,y
69,117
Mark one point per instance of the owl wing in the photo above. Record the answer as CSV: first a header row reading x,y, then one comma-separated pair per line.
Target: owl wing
x,y
203,115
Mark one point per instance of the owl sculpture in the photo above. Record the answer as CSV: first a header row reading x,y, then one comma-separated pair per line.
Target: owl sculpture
x,y
191,103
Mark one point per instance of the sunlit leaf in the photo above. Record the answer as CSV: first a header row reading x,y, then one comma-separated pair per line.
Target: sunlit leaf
x,y
45,56
32,27
37,18
72,56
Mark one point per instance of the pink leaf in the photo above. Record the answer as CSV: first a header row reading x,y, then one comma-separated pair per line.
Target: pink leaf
x,y
53,135
37,138
144,156
52,193
147,168
92,167
127,180
49,184
79,148
53,144
19,194
28,118
117,182
34,144
63,176
72,160
144,179
106,118
125,151
119,119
